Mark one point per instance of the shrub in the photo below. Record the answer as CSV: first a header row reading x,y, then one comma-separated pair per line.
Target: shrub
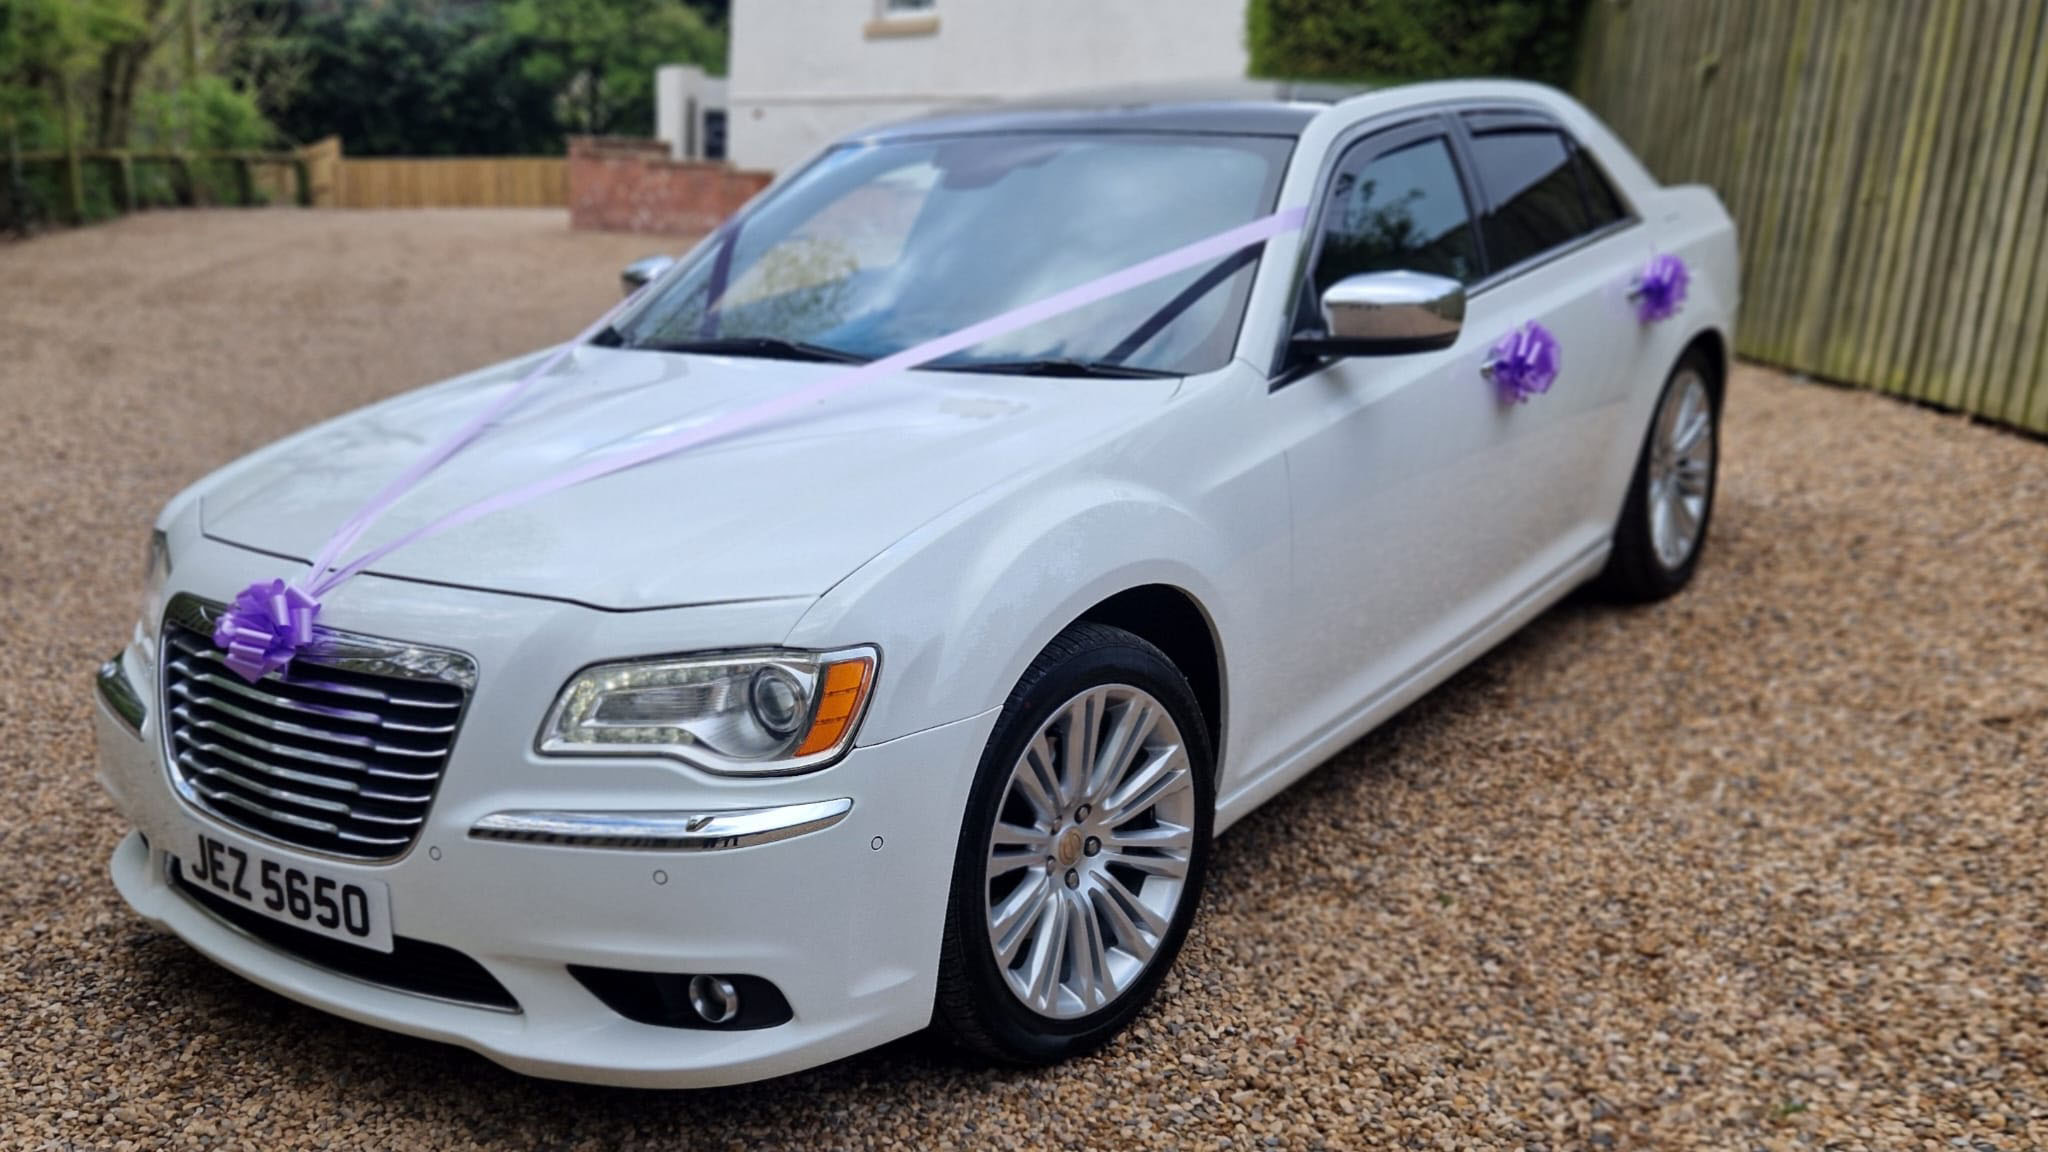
x,y
1397,40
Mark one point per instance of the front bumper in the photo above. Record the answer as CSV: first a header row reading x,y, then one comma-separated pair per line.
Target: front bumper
x,y
843,917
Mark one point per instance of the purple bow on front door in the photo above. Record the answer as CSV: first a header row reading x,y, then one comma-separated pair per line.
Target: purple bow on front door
x,y
1523,363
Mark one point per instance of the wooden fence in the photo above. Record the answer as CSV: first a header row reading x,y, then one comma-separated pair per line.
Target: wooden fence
x,y
452,182
42,188
1887,163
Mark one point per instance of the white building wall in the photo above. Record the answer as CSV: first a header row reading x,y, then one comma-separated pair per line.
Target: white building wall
x,y
804,72
682,96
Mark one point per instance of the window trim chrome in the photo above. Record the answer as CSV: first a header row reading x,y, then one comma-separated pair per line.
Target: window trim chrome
x,y
1279,373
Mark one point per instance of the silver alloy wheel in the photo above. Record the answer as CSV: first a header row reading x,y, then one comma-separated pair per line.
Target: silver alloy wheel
x,y
1681,468
1089,856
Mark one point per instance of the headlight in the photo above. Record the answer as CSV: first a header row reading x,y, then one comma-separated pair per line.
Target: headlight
x,y
156,575
761,713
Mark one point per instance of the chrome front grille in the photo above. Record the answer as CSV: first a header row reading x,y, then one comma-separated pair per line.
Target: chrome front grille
x,y
341,755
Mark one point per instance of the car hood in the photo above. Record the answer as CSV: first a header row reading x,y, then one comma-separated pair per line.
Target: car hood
x,y
785,509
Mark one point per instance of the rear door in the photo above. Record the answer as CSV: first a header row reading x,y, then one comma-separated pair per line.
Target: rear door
x,y
1561,251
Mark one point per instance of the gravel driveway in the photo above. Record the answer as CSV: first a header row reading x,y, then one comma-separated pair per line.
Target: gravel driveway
x,y
1763,866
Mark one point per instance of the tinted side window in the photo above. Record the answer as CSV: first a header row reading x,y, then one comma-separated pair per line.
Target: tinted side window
x,y
1404,210
1601,199
1528,178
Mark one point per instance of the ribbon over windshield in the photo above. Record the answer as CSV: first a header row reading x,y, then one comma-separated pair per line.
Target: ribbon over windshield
x,y
272,620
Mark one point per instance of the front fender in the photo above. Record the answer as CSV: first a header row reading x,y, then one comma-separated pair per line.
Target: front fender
x,y
1193,497
1690,223
960,611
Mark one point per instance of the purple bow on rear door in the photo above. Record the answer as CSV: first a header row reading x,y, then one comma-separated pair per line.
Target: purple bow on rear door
x,y
1660,290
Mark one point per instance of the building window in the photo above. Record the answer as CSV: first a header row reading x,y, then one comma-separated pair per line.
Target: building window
x,y
897,18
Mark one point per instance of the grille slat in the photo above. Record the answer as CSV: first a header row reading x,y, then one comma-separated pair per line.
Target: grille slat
x,y
203,650
186,717
343,754
221,752
243,784
209,698
235,685
221,796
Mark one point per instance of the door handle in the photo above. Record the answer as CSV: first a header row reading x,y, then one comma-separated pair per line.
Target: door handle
x,y
1658,292
1523,363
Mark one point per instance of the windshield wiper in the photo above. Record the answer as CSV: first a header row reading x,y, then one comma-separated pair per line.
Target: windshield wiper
x,y
1056,366
762,347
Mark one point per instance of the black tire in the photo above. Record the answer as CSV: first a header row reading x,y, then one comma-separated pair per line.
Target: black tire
x,y
975,1007
1635,573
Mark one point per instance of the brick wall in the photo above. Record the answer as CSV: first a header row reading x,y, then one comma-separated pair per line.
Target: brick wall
x,y
626,185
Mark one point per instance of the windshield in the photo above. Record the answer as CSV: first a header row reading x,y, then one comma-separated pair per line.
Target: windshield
x,y
875,248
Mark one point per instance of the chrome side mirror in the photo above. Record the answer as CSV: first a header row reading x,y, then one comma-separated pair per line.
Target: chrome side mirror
x,y
635,275
1387,313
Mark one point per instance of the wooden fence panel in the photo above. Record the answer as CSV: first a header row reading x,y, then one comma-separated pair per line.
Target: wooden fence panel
x,y
1887,163
452,182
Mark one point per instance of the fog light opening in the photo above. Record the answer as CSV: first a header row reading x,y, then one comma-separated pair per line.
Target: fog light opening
x,y
714,999
733,1001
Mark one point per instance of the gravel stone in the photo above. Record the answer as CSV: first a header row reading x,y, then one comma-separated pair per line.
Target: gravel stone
x,y
1760,867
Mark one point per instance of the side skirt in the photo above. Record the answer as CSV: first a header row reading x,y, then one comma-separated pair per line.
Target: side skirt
x,y
1249,794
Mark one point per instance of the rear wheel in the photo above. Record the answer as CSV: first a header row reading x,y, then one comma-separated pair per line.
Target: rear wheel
x,y
1083,851
1663,525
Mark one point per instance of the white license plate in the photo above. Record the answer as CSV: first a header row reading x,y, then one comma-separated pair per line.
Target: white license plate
x,y
292,891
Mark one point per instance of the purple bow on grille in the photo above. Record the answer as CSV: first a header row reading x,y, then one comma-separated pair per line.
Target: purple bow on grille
x,y
1660,290
1524,363
267,626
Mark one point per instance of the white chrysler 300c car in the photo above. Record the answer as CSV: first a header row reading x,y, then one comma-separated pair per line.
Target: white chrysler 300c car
x,y
921,706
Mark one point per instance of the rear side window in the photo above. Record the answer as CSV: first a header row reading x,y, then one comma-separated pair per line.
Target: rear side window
x,y
1533,191
1601,199
1404,210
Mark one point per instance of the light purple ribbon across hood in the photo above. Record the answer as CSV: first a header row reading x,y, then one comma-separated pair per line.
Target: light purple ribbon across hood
x,y
272,620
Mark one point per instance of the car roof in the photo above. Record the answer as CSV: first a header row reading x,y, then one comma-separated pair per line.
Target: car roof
x,y
1240,108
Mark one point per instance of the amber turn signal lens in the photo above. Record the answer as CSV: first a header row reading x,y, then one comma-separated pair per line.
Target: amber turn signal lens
x,y
846,689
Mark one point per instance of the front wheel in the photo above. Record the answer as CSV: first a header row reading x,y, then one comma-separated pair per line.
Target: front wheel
x,y
1663,524
1082,854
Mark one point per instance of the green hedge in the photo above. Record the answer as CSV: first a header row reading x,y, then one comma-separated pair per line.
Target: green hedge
x,y
39,198
1397,40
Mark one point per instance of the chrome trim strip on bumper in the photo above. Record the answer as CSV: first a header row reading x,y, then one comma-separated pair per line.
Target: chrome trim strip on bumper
x,y
120,696
713,831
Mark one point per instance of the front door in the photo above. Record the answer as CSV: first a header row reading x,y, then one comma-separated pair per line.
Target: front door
x,y
1425,502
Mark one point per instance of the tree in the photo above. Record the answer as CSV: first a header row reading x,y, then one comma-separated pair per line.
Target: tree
x,y
482,77
599,56
45,46
415,77
79,70
1393,40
